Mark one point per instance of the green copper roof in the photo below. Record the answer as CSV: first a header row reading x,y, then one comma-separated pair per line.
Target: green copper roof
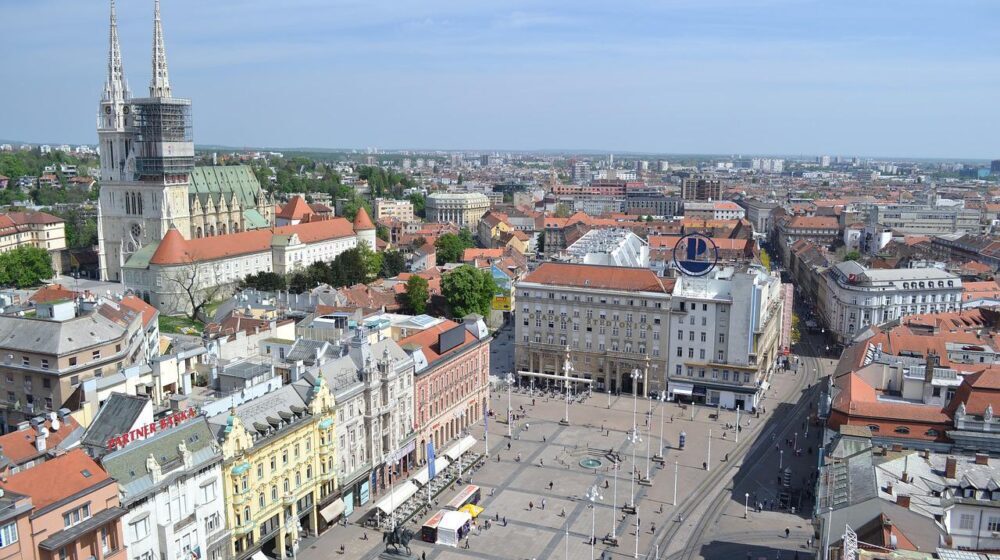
x,y
140,258
225,179
254,220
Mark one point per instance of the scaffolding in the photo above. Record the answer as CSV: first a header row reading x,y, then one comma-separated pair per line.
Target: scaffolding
x,y
164,138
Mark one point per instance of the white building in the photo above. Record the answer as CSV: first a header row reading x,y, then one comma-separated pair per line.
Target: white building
x,y
714,210
725,335
171,485
611,247
855,297
461,209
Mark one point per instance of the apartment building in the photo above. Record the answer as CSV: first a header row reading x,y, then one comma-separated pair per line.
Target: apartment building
x,y
611,321
725,337
855,297
401,210
45,358
33,229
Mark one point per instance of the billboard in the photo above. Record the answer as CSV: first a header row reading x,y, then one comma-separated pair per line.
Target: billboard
x,y
501,303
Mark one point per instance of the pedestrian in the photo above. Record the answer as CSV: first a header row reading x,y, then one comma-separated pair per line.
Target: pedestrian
x,y
532,402
423,555
498,516
541,462
531,505
365,536
342,550
505,521
508,446
550,485
543,503
787,532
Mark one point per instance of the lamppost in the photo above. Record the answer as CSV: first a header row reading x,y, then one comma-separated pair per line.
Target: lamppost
x,y
795,442
633,438
614,504
737,425
567,369
636,375
510,383
649,435
746,505
460,416
826,539
676,470
781,458
708,463
593,495
636,534
659,451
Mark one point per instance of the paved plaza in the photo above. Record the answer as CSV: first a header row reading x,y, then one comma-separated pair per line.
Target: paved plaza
x,y
551,453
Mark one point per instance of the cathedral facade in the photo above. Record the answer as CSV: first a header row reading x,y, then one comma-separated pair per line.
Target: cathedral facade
x,y
149,183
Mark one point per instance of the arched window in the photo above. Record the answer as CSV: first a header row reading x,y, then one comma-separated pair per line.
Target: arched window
x,y
902,430
197,232
873,428
222,229
246,513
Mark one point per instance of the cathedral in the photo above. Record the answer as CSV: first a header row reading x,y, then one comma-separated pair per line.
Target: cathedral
x,y
149,183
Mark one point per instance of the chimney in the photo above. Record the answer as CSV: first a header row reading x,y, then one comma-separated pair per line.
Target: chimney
x,y
888,488
932,361
982,459
903,501
22,426
63,414
950,467
43,434
54,421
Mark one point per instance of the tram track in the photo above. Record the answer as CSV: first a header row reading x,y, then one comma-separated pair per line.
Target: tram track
x,y
711,485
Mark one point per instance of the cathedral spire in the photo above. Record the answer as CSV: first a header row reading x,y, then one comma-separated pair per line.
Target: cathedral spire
x,y
114,87
159,85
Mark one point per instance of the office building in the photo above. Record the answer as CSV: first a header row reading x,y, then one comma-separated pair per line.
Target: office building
x,y
701,189
461,209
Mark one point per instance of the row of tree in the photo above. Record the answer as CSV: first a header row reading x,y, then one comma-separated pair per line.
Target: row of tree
x,y
359,265
25,267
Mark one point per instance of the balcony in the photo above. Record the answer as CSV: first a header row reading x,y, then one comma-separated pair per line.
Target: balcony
x,y
288,498
244,528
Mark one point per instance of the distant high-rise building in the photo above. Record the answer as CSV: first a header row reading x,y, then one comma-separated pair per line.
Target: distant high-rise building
x,y
664,165
580,172
995,167
824,161
701,189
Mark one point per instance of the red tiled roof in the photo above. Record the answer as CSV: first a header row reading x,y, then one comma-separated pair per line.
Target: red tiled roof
x,y
174,249
52,292
857,398
56,479
428,341
473,254
19,446
362,221
977,391
814,222
148,312
599,277
296,209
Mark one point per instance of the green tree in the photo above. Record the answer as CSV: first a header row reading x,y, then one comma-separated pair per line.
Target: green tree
x,y
852,256
382,232
465,234
468,290
25,267
417,294
419,204
265,281
393,262
563,210
541,242
765,259
449,248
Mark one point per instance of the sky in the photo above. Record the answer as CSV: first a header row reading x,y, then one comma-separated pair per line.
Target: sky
x,y
890,78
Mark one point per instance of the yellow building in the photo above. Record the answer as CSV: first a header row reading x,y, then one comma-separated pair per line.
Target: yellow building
x,y
278,469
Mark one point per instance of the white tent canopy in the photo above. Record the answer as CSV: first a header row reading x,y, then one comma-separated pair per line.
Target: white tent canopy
x,y
681,388
422,475
399,495
448,528
463,445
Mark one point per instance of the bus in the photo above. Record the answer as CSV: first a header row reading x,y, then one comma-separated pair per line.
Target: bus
x,y
469,495
429,532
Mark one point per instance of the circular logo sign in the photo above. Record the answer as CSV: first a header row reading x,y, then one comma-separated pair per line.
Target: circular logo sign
x,y
695,254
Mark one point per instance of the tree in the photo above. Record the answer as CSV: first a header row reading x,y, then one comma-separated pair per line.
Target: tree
x,y
265,282
852,256
469,290
765,259
541,243
417,294
450,248
25,267
465,234
419,204
563,210
393,262
382,232
198,281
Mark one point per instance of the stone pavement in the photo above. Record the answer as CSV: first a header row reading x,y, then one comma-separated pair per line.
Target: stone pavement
x,y
551,452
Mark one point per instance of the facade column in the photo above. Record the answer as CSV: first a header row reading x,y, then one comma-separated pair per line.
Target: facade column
x,y
314,517
281,534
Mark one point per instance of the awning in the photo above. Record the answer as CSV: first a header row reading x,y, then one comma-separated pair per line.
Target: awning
x,y
399,495
681,388
439,465
332,511
463,445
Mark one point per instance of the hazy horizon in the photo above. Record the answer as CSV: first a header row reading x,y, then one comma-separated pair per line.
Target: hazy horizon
x,y
894,79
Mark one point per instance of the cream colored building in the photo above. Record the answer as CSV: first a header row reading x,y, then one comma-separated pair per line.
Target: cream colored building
x,y
461,209
33,229
401,210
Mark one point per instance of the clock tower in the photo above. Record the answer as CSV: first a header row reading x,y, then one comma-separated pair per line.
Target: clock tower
x,y
147,156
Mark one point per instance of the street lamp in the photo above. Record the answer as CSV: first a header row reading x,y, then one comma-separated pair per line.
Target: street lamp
x,y
781,457
708,463
662,399
636,534
593,495
510,383
567,369
795,442
636,375
746,505
460,416
614,503
633,438
676,470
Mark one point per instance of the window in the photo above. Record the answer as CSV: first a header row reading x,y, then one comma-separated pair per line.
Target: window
x,y
932,432
79,514
902,430
8,534
208,492
45,364
680,335
703,337
72,361
993,524
260,471
722,338
25,361
873,428
680,352
966,521
95,355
